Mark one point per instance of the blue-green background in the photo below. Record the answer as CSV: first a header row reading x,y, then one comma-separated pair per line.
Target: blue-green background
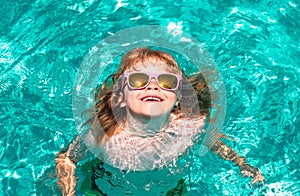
x,y
254,43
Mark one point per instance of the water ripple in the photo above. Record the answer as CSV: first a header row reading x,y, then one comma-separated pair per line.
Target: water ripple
x,y
254,43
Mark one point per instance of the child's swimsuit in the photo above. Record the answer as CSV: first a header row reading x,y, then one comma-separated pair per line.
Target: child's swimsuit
x,y
127,151
136,165
147,165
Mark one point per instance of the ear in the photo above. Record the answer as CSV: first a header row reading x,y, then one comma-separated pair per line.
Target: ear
x,y
179,96
121,100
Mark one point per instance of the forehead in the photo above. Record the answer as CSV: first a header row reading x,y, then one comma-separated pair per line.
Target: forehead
x,y
153,66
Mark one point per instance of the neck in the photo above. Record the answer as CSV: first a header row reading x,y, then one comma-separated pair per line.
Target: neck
x,y
146,125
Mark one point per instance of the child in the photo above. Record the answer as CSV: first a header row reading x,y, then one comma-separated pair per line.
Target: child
x,y
141,127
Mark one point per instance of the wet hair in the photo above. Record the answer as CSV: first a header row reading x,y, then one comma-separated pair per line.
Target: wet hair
x,y
110,117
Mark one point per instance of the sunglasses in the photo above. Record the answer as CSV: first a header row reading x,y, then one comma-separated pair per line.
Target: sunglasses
x,y
140,80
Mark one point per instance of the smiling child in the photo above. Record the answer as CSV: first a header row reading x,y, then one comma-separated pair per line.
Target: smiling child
x,y
138,128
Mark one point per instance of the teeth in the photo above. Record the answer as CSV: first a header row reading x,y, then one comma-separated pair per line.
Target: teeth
x,y
151,99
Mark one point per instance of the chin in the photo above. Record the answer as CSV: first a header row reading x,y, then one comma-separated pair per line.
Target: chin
x,y
150,110
155,110
154,115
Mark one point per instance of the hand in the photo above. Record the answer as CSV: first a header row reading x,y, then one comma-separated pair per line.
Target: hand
x,y
65,170
250,171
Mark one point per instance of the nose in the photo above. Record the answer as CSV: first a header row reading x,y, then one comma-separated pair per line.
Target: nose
x,y
153,85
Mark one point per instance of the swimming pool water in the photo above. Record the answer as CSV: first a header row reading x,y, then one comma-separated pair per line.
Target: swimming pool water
x,y
254,43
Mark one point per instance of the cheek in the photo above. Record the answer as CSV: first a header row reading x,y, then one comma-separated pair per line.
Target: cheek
x,y
172,98
131,99
171,101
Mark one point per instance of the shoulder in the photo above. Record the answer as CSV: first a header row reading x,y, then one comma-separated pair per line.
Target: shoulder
x,y
200,120
188,125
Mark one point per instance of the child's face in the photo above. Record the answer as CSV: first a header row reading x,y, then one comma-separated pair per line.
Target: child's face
x,y
151,101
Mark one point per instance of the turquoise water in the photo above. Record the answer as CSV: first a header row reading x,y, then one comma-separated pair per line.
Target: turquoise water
x,y
255,44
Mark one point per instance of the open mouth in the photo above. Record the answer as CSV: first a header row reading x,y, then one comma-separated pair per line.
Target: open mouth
x,y
151,99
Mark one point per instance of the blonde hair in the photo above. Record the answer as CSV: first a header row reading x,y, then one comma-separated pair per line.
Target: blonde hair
x,y
107,108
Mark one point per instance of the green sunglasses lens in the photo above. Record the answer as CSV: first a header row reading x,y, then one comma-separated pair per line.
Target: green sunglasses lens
x,y
138,80
167,81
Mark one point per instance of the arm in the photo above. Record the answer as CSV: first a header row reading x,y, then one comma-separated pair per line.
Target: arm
x,y
246,169
65,171
66,165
